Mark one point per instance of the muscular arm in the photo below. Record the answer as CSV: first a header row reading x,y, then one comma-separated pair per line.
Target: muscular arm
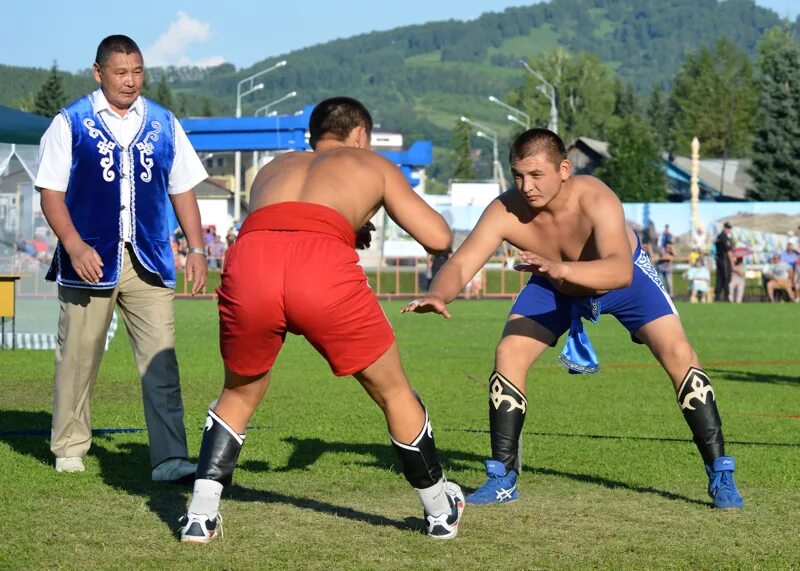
x,y
479,246
84,259
614,268
188,214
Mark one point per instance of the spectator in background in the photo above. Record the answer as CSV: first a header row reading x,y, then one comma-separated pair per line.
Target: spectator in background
x,y
778,277
666,236
789,257
694,255
230,237
20,245
664,265
699,281
216,253
738,282
723,245
208,236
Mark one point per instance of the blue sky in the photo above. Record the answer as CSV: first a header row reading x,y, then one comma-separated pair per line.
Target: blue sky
x,y
203,32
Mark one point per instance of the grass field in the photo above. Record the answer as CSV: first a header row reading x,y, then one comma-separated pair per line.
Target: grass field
x,y
611,477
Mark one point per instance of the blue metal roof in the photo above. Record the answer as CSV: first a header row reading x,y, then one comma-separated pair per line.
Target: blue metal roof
x,y
281,133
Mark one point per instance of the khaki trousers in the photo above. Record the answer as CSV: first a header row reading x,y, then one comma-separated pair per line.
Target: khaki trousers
x,y
148,312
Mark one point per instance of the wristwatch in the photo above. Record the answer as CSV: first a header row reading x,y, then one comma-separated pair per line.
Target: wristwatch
x,y
200,251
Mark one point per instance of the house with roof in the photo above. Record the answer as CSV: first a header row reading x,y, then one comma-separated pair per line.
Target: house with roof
x,y
719,180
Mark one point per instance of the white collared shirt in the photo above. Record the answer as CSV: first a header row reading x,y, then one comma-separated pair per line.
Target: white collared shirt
x,y
55,154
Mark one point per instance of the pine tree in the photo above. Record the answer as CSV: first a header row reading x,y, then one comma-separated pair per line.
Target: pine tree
x,y
50,98
715,97
463,151
659,117
207,111
634,170
163,92
776,145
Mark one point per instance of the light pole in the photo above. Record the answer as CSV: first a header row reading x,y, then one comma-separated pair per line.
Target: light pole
x,y
486,133
516,113
545,88
266,107
251,86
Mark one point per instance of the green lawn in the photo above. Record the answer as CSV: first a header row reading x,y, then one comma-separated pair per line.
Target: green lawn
x,y
611,477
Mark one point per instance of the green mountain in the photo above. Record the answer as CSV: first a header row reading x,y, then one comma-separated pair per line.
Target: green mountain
x,y
419,79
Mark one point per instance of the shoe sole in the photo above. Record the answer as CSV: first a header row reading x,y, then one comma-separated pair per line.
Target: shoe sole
x,y
196,540
492,503
462,504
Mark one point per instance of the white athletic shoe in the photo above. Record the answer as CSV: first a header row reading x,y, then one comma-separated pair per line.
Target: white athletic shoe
x,y
198,528
70,464
174,470
445,525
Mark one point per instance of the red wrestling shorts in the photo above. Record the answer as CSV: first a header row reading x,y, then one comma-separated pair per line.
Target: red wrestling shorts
x,y
294,268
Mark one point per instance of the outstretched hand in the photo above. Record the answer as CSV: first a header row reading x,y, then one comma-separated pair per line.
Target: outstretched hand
x,y
364,236
428,304
553,269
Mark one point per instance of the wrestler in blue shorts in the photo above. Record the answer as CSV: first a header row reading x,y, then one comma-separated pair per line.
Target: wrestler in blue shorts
x,y
643,301
585,260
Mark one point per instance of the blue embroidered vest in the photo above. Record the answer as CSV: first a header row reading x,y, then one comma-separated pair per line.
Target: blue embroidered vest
x,y
93,194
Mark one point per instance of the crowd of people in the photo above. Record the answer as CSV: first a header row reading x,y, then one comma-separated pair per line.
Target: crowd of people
x,y
215,246
721,272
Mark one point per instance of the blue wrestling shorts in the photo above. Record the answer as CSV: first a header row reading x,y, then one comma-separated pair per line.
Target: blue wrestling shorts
x,y
643,301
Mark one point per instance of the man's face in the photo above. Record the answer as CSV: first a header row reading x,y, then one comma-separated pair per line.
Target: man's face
x,y
538,179
121,79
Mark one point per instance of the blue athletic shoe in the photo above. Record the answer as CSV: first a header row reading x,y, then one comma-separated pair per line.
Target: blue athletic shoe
x,y
721,486
500,488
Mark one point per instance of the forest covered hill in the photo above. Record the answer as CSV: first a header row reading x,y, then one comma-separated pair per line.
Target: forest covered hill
x,y
419,79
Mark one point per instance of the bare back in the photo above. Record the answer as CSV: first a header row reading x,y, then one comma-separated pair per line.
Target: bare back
x,y
356,183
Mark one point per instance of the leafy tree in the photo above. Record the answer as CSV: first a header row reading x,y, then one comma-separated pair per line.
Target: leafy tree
x,y
163,93
50,97
625,101
776,145
634,170
463,151
584,93
660,117
715,97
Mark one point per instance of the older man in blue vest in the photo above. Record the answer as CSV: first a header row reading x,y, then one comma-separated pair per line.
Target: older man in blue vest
x,y
112,166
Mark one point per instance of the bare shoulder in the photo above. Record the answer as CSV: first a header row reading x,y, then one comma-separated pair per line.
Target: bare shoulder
x,y
510,204
288,160
593,193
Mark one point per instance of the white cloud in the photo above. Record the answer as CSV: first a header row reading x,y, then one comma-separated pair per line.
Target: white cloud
x,y
172,47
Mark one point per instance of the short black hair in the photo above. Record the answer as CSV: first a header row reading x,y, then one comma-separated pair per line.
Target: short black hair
x,y
116,43
334,118
535,141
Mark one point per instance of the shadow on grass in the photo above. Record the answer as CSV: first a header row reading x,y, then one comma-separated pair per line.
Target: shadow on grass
x,y
753,377
242,494
27,432
309,450
306,451
126,467
613,484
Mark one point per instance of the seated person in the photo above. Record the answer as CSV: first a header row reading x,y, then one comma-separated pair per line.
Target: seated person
x,y
699,279
778,277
